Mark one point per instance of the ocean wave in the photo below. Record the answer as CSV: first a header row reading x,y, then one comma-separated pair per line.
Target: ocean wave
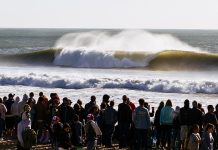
x,y
164,60
153,85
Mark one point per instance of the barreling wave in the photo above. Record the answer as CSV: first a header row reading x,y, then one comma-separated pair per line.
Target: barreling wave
x,y
164,60
153,85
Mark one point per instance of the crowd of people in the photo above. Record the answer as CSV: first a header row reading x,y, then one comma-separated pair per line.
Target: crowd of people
x,y
72,126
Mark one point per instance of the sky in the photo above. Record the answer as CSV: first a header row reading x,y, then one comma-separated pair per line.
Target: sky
x,y
127,14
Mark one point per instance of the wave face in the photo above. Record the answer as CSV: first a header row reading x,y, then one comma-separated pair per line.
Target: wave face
x,y
125,49
154,85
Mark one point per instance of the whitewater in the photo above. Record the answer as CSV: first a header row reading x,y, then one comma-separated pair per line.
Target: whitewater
x,y
155,65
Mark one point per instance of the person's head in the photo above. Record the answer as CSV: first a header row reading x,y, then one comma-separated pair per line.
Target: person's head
x,y
209,128
11,96
65,101
195,104
5,99
105,98
195,128
93,98
69,102
17,99
112,103
77,107
161,105
169,103
210,108
25,98
55,119
40,94
90,117
40,99
141,102
27,108
125,98
79,102
66,127
103,105
186,103
31,95
216,107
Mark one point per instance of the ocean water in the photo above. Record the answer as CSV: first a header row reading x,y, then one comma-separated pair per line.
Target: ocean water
x,y
152,64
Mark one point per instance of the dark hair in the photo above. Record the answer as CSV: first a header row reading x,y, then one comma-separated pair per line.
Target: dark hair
x,y
186,103
217,107
79,102
195,104
93,98
210,107
124,98
141,101
1,101
76,107
106,98
111,103
169,103
103,105
31,94
195,127
161,105
209,125
40,93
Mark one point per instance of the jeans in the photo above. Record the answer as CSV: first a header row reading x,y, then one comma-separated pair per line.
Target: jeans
x,y
141,137
124,129
109,130
91,145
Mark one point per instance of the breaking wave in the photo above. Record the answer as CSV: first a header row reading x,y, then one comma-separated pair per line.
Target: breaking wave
x,y
153,85
125,49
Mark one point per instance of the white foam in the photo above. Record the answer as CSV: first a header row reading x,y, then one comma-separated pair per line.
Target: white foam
x,y
76,82
126,40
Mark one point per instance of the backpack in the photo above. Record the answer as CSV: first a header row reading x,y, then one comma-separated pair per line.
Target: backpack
x,y
29,138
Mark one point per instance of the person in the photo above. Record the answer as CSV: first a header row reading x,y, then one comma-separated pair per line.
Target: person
x,y
82,111
196,115
79,111
185,122
90,104
56,128
194,138
22,125
78,130
40,117
176,129
100,121
3,111
131,104
142,124
66,112
16,112
9,117
45,99
207,138
92,132
166,121
31,99
110,119
210,117
124,122
65,138
105,99
23,102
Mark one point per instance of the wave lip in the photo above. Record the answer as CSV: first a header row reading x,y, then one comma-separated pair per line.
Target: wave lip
x,y
153,85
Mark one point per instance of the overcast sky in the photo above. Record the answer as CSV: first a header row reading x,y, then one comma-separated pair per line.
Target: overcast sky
x,y
143,14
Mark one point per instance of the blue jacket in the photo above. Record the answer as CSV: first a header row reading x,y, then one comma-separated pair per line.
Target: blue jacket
x,y
166,115
141,118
